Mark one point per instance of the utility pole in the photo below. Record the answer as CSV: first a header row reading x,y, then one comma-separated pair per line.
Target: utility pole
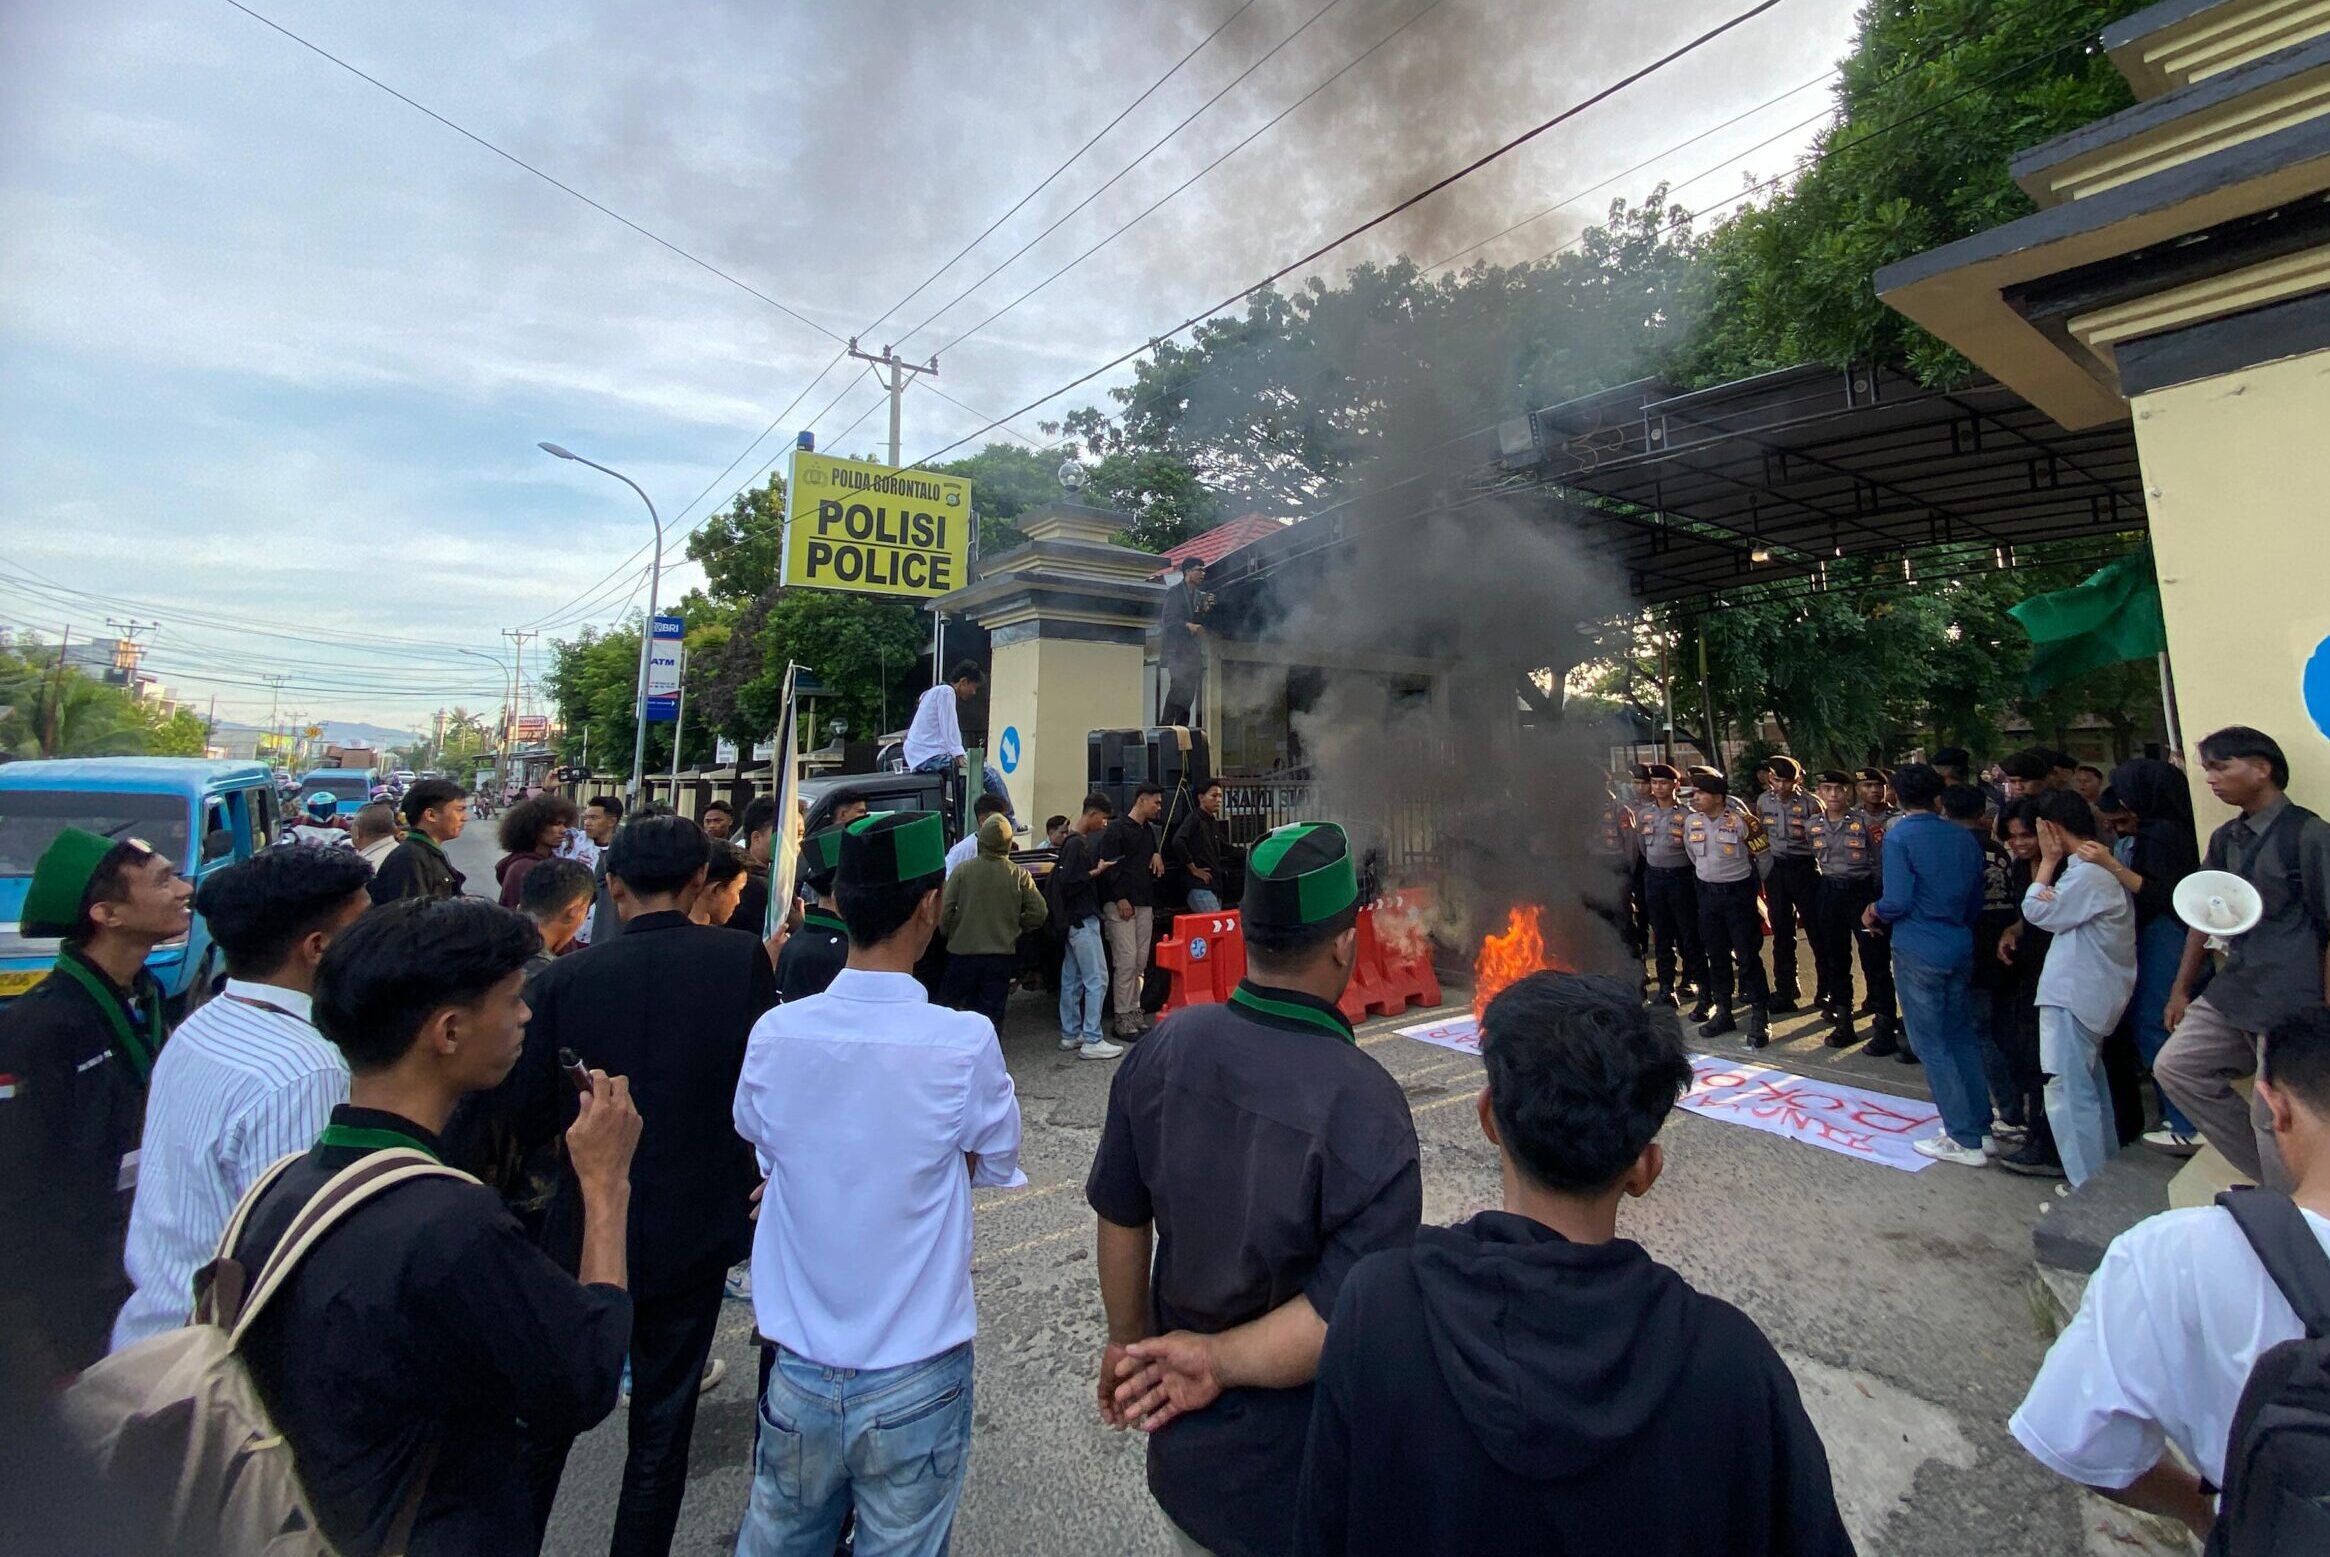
x,y
48,745
895,383
127,654
517,698
274,702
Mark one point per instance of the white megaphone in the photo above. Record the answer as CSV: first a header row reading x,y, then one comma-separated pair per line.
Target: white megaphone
x,y
2218,904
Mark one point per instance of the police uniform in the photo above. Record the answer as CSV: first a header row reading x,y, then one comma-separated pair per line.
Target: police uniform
x,y
1722,851
1272,1154
1613,899
75,1052
818,950
1845,850
1791,880
1877,945
1669,901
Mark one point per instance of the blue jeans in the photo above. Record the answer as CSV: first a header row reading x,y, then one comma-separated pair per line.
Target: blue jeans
x,y
1204,900
1941,1033
2159,947
2079,1099
989,780
1083,982
893,1441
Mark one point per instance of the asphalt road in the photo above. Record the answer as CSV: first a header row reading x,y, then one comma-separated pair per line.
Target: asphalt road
x,y
1905,1303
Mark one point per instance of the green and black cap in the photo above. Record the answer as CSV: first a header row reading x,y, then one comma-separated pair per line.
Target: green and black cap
x,y
1300,875
821,857
57,898
887,847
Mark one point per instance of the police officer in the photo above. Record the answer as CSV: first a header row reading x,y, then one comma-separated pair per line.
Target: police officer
x,y
1263,1154
1721,841
1613,899
1846,854
1791,881
1877,811
75,1052
1669,901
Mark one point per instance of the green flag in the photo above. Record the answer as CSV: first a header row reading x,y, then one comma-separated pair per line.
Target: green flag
x,y
2108,618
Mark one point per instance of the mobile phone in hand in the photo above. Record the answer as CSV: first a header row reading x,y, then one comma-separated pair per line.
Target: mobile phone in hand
x,y
576,1071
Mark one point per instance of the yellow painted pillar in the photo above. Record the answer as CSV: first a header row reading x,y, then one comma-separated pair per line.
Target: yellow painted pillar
x,y
1068,615
2235,471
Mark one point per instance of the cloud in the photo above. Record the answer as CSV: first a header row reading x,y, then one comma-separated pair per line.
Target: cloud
x,y
257,303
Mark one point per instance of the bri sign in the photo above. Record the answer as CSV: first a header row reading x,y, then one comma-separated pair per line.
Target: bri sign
x,y
870,530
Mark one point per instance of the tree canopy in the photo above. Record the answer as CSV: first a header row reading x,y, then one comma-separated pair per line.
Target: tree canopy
x,y
53,710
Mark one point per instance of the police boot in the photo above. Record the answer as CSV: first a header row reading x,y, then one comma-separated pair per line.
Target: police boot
x,y
1759,1032
1783,1003
1720,1024
1704,1009
1840,1032
1666,994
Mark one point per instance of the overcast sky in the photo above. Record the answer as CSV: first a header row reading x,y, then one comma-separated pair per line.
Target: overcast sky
x,y
276,348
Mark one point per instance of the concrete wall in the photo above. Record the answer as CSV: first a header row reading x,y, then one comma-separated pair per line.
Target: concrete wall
x,y
2235,472
1055,692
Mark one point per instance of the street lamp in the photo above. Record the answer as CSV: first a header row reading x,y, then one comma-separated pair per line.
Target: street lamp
x,y
509,707
647,631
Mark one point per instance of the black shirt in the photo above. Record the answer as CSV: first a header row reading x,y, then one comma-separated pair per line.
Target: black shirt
x,y
1197,843
669,1004
416,867
426,1317
812,956
1273,1155
1129,847
1497,1388
1078,890
72,1111
1177,645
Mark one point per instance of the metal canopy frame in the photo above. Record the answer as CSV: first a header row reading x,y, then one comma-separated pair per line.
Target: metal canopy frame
x,y
1683,491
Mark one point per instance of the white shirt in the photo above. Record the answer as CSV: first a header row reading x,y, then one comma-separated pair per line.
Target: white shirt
x,y
237,1088
936,730
2090,969
2173,1320
963,853
861,1102
378,850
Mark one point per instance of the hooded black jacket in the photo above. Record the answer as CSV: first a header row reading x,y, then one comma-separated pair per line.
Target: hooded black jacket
x,y
1497,1388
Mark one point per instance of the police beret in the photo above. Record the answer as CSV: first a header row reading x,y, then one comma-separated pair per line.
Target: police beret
x,y
1300,874
893,846
1661,770
1711,781
1786,767
1639,772
1701,771
59,889
1872,775
1832,776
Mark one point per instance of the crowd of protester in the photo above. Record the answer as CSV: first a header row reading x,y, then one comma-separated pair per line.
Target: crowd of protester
x,y
467,1194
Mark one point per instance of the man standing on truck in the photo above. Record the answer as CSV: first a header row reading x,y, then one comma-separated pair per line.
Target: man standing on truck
x,y
75,1052
934,742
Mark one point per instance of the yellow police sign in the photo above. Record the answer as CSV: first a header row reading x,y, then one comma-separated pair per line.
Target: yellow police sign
x,y
872,530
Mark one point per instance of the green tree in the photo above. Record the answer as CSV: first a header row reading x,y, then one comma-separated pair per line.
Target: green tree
x,y
183,733
1937,97
48,710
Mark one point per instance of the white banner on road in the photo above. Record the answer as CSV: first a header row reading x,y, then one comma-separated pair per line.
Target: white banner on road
x,y
1854,1121
1872,1126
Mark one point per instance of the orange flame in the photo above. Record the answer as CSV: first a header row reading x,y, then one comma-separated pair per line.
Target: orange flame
x,y
1507,958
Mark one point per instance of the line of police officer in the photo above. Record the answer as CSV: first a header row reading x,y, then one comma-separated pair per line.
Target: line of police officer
x,y
1696,857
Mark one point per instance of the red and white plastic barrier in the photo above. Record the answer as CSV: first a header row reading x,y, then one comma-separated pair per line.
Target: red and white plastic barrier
x,y
1206,955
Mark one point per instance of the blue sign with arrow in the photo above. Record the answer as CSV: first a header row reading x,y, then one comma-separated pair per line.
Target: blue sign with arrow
x,y
1007,750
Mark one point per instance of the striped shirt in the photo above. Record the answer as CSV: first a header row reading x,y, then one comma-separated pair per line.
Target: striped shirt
x,y
243,1081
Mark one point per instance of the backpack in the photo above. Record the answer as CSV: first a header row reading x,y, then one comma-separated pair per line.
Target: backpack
x,y
175,1427
2276,1499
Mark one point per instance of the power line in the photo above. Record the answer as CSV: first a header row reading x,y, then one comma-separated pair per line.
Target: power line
x,y
1022,201
1414,17
1571,112
1127,168
517,161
